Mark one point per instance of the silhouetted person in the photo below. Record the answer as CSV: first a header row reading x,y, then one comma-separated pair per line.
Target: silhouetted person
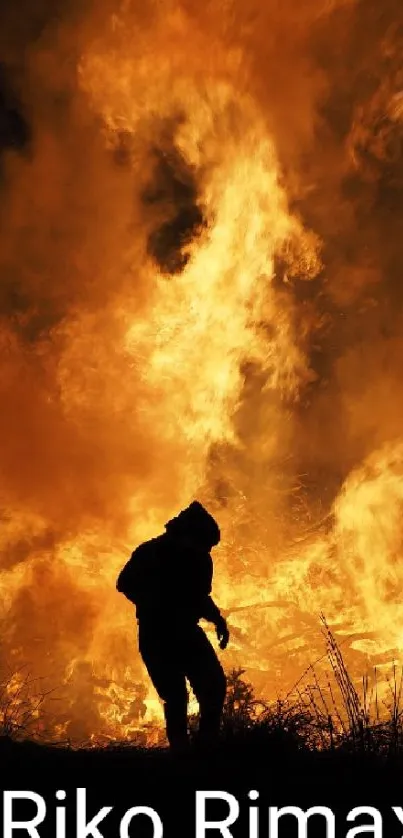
x,y
169,580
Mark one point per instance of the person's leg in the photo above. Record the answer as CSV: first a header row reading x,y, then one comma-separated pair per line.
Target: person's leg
x,y
207,679
159,653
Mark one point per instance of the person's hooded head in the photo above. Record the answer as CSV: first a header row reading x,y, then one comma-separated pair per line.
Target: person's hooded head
x,y
195,524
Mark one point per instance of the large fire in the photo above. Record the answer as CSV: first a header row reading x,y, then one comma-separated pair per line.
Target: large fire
x,y
199,297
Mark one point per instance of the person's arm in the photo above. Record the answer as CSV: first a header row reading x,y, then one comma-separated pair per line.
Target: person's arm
x,y
210,610
212,613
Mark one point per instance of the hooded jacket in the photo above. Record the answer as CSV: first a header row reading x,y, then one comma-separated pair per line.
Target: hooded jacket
x,y
168,580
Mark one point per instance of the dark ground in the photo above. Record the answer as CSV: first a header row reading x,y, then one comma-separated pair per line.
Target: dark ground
x,y
283,774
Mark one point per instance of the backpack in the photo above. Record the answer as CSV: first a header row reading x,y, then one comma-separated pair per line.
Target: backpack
x,y
137,576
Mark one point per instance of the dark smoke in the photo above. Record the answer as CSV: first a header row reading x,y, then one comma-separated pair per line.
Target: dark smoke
x,y
174,194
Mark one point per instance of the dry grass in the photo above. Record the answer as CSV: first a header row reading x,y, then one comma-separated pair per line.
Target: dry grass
x,y
325,714
321,714
21,703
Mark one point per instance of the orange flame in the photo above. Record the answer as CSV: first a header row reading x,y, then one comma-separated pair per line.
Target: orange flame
x,y
163,343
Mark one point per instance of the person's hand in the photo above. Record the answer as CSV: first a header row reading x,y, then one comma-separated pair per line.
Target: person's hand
x,y
222,632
